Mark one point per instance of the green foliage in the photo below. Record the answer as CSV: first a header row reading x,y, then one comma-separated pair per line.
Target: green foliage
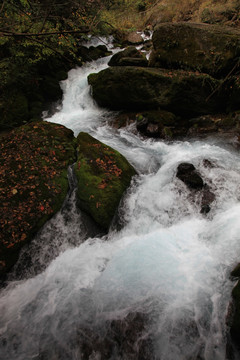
x,y
38,39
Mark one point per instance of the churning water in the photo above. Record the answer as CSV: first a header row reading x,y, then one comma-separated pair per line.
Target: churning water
x,y
169,263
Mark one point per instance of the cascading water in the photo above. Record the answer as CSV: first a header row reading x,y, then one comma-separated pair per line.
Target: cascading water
x,y
169,264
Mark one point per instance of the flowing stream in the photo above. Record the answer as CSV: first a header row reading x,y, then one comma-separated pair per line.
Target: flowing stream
x,y
168,263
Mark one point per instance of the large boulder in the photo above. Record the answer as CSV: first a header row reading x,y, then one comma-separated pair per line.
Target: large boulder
x,y
33,163
200,47
103,175
136,88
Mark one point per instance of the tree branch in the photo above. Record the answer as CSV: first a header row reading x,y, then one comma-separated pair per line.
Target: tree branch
x,y
10,33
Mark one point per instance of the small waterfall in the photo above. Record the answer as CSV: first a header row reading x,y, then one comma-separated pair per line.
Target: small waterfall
x,y
67,229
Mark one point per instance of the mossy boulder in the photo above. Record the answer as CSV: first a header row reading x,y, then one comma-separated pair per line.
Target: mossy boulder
x,y
33,161
211,49
103,175
129,56
136,88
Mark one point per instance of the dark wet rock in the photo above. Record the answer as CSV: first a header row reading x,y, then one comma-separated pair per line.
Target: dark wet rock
x,y
236,271
136,88
123,119
103,175
207,198
130,335
207,163
200,47
34,160
155,123
235,318
205,209
129,61
93,52
129,53
93,344
125,339
187,173
202,125
147,45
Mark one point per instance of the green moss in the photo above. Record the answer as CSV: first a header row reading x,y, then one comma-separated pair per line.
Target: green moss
x,y
103,175
135,89
199,47
167,132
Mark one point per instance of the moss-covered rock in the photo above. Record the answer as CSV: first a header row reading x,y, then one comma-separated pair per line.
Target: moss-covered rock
x,y
136,88
33,162
200,47
103,175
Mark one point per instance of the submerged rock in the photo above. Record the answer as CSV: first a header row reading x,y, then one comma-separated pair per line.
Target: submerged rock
x,y
207,198
103,175
125,338
200,47
138,88
187,173
34,160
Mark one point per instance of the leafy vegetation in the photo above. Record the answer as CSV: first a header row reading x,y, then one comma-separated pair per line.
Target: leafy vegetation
x,y
38,42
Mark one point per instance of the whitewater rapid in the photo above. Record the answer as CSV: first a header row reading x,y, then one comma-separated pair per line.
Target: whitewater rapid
x,y
168,261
